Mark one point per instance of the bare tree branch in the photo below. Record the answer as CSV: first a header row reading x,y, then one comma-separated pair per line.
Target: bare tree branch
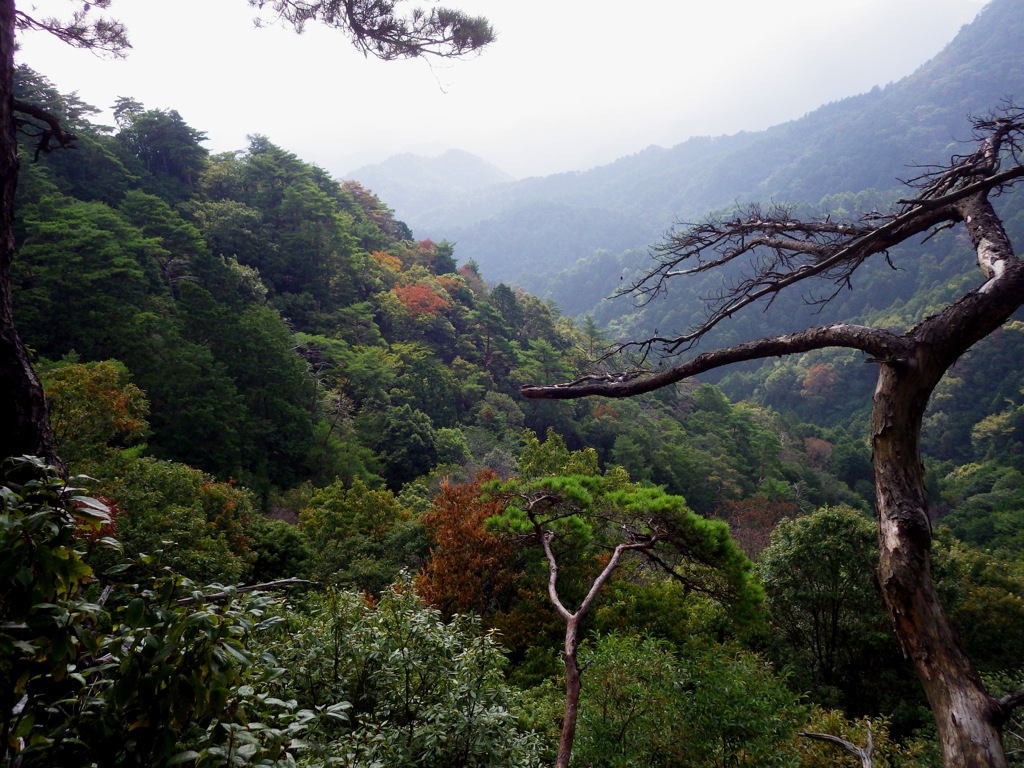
x,y
863,754
779,250
806,251
50,136
1010,702
879,343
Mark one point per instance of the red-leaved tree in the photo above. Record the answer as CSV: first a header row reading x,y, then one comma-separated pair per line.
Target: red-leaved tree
x,y
420,299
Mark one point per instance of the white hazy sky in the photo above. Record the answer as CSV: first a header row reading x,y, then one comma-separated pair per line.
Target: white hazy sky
x,y
568,85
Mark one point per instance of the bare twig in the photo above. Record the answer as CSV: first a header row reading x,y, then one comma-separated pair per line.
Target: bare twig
x,y
1010,702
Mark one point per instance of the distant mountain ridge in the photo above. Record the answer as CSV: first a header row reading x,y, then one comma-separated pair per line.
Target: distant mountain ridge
x,y
529,232
411,183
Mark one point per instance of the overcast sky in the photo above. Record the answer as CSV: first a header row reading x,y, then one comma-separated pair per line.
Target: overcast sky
x,y
568,85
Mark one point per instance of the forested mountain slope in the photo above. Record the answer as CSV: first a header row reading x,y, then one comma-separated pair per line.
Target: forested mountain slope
x,y
286,331
266,374
517,232
845,159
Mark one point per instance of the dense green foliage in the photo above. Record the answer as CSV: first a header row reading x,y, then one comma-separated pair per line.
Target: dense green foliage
x,y
832,636
266,375
415,690
161,672
312,339
118,676
585,514
651,704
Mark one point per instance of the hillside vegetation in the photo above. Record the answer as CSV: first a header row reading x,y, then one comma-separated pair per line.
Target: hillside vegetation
x,y
260,375
847,156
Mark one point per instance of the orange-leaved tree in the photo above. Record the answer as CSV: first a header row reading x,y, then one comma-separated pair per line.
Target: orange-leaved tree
x,y
421,299
469,568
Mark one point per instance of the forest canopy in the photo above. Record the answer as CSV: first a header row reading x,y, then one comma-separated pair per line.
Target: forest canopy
x,y
305,518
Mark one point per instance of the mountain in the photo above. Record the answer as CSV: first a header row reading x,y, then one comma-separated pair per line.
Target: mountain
x,y
250,316
531,231
411,183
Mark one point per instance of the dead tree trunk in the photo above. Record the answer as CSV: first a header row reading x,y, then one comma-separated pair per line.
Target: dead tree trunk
x,y
965,715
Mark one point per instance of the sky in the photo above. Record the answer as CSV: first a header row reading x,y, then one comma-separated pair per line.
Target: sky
x,y
568,85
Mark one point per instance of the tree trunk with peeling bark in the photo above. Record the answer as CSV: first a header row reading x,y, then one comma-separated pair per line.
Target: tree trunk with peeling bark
x,y
964,712
967,717
781,251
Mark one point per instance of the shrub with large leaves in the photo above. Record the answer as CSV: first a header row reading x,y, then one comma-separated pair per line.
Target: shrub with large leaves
x,y
43,618
128,675
422,691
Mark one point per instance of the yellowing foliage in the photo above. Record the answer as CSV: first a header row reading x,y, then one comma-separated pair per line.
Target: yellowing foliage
x,y
387,260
